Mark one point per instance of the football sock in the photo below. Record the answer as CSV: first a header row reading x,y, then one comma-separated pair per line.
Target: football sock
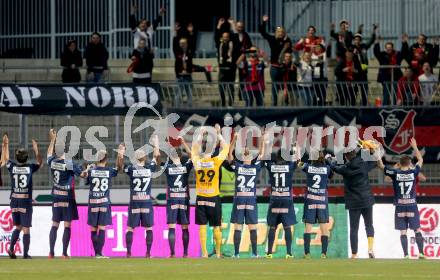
x,y
237,240
324,244
218,240
288,237
419,241
185,239
404,242
202,235
271,239
253,234
306,237
66,240
52,239
14,238
101,241
149,240
26,243
94,237
172,239
129,241
370,244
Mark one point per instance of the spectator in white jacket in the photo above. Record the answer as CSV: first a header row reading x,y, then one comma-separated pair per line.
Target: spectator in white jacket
x,y
305,79
428,84
144,29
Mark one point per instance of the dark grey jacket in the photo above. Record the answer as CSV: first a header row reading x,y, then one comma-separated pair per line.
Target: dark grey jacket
x,y
358,192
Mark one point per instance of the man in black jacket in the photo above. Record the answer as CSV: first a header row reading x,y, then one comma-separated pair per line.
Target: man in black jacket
x,y
96,56
359,199
360,50
388,77
279,44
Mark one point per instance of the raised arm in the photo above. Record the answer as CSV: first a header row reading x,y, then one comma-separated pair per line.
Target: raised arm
x,y
5,150
262,29
133,21
158,20
231,149
262,147
417,151
195,146
372,38
224,147
156,150
52,138
185,145
120,159
37,152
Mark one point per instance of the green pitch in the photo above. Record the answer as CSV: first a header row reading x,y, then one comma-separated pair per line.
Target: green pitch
x,y
213,269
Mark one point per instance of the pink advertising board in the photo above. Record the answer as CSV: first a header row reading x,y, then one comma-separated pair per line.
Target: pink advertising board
x,y
81,245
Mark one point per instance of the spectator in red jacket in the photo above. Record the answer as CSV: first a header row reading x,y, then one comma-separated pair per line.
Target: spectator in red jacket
x,y
254,79
421,52
347,71
307,44
408,88
343,38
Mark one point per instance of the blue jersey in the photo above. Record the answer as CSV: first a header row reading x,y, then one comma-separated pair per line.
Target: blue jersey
x,y
245,178
177,180
404,185
21,179
280,177
317,182
140,181
63,174
100,181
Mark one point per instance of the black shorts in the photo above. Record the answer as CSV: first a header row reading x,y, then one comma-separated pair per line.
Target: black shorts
x,y
64,210
99,215
209,210
178,211
140,214
21,212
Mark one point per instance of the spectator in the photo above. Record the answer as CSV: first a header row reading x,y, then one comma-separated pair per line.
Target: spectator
x,y
388,76
428,84
279,44
290,76
189,33
408,89
222,26
421,52
183,67
319,64
307,44
71,61
227,68
346,73
343,38
142,63
254,79
305,79
360,50
143,29
243,43
96,56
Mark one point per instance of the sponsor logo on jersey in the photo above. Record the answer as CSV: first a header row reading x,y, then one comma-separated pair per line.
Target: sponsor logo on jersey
x,y
247,171
141,173
177,170
100,173
279,168
58,166
405,177
207,164
317,170
21,170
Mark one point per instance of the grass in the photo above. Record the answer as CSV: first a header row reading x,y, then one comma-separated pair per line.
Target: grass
x,y
213,269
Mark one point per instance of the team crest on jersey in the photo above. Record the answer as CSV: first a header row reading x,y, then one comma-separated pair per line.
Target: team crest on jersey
x,y
21,170
399,127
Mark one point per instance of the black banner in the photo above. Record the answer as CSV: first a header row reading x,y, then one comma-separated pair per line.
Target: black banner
x,y
400,124
81,99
